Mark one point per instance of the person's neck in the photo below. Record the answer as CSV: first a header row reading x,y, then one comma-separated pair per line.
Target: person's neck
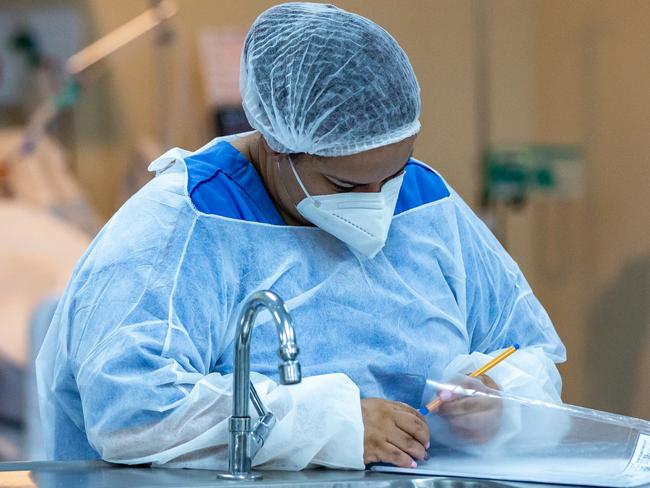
x,y
251,148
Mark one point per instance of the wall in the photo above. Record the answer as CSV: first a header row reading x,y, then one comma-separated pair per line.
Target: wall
x,y
577,73
591,76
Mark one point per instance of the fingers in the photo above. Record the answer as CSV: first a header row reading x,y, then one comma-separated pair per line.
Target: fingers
x,y
463,405
390,453
393,433
414,426
478,426
479,383
473,418
407,443
489,382
408,409
473,421
467,405
400,450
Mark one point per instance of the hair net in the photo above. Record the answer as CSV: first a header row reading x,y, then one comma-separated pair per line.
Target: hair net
x,y
317,79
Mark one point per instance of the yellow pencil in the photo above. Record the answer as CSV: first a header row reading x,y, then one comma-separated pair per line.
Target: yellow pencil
x,y
432,405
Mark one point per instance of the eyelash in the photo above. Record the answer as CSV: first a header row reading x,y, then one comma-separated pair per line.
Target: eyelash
x,y
343,189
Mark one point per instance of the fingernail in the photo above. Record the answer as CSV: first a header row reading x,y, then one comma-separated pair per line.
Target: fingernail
x,y
428,445
414,464
445,395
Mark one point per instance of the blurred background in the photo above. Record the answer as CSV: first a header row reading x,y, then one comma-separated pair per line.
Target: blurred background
x,y
536,111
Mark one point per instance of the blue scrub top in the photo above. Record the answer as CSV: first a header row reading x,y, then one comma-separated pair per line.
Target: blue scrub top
x,y
222,182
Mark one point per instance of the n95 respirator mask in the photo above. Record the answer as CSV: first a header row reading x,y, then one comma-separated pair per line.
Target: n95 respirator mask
x,y
360,220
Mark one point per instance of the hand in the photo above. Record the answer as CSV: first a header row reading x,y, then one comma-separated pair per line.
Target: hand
x,y
472,418
393,433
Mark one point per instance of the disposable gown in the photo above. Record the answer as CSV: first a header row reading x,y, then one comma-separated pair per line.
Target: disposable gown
x,y
136,366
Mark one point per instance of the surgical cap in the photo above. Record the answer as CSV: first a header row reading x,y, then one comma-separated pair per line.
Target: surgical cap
x,y
317,79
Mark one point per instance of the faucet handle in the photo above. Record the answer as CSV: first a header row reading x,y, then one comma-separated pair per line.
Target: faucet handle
x,y
261,432
263,425
257,401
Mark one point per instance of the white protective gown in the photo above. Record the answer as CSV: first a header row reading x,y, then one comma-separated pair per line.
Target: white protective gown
x,y
136,367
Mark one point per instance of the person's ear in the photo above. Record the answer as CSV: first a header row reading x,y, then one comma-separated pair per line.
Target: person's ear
x,y
268,151
273,155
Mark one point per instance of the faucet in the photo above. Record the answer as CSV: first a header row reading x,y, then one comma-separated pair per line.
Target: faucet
x,y
244,441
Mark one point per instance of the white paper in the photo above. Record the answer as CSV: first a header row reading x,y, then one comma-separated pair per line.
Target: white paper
x,y
641,458
591,471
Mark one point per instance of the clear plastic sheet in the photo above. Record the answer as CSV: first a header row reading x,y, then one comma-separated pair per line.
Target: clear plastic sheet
x,y
536,441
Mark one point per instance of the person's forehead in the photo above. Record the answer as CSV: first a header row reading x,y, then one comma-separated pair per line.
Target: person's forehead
x,y
368,166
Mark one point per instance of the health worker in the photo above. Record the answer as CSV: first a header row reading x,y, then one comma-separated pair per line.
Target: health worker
x,y
389,276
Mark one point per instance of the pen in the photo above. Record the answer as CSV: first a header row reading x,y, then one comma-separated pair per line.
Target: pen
x,y
432,405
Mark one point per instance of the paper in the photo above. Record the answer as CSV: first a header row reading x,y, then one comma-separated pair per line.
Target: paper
x,y
572,470
641,458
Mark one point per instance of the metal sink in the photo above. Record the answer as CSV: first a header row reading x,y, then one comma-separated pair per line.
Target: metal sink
x,y
98,474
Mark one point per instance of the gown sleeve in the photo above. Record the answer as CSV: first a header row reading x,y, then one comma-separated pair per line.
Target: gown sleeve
x,y
142,326
146,407
501,309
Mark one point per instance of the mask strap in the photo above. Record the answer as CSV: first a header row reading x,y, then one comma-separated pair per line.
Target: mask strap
x,y
298,177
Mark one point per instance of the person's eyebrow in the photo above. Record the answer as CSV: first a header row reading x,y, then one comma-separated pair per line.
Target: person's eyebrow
x,y
336,180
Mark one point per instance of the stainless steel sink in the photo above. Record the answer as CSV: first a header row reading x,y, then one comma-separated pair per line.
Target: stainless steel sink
x,y
98,474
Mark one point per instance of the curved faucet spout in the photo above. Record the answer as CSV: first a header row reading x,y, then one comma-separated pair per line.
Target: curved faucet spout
x,y
247,440
288,351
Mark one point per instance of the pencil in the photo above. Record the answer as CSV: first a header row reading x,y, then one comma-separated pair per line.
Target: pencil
x,y
432,405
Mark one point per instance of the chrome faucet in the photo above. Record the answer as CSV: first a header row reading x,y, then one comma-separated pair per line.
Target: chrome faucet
x,y
244,441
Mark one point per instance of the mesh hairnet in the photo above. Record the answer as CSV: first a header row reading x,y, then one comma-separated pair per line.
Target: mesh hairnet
x,y
317,79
